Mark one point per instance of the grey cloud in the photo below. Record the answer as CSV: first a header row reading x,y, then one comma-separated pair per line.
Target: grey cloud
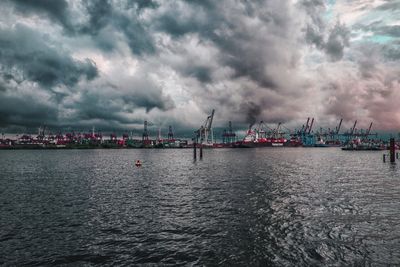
x,y
107,101
256,40
380,28
313,36
393,31
315,28
25,111
138,38
389,5
102,13
248,59
179,20
391,51
342,102
57,10
338,39
201,73
142,4
332,41
27,53
369,86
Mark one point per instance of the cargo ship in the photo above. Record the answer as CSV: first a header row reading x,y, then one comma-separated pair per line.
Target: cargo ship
x,y
260,137
358,144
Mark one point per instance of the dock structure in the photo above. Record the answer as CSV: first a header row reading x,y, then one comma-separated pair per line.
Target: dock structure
x,y
229,136
392,149
204,136
261,135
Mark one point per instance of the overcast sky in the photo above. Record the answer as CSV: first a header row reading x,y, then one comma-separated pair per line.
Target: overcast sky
x,y
112,64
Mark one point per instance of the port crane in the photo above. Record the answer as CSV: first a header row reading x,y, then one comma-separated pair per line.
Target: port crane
x,y
145,135
334,134
368,132
205,133
228,136
170,134
263,131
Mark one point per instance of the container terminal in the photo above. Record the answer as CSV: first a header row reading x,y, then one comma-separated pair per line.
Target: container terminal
x,y
257,135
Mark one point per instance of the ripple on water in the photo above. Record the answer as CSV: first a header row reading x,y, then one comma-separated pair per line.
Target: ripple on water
x,y
273,207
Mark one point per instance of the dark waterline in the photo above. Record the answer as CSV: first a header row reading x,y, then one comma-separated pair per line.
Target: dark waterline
x,y
270,207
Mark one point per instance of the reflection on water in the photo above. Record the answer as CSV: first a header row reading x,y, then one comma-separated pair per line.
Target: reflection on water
x,y
236,206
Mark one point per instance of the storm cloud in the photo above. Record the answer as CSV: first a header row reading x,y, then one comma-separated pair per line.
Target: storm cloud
x,y
113,64
27,55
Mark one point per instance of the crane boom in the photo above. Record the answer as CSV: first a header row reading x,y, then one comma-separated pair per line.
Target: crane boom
x,y
205,129
369,129
211,117
354,127
278,128
338,128
306,127
311,125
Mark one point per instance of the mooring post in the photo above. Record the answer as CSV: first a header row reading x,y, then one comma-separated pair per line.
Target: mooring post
x,y
194,149
384,157
201,151
392,150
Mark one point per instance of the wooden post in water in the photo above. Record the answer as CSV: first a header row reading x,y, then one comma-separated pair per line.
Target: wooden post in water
x,y
384,157
392,151
194,149
201,151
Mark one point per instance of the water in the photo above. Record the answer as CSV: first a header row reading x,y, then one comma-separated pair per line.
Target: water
x,y
271,207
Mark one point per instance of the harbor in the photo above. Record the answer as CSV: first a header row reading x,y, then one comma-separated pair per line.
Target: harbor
x,y
257,135
200,133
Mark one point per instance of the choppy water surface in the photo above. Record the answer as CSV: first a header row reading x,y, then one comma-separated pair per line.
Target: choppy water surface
x,y
275,207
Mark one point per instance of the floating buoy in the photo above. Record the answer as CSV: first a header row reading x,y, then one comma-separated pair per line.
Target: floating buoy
x,y
138,163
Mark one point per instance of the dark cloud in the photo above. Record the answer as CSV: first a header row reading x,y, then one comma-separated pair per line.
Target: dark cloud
x,y
138,38
316,27
26,53
255,40
201,73
25,111
100,15
338,39
195,17
389,5
314,36
142,4
109,102
56,11
379,28
332,41
393,31
174,59
146,94
391,51
241,49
